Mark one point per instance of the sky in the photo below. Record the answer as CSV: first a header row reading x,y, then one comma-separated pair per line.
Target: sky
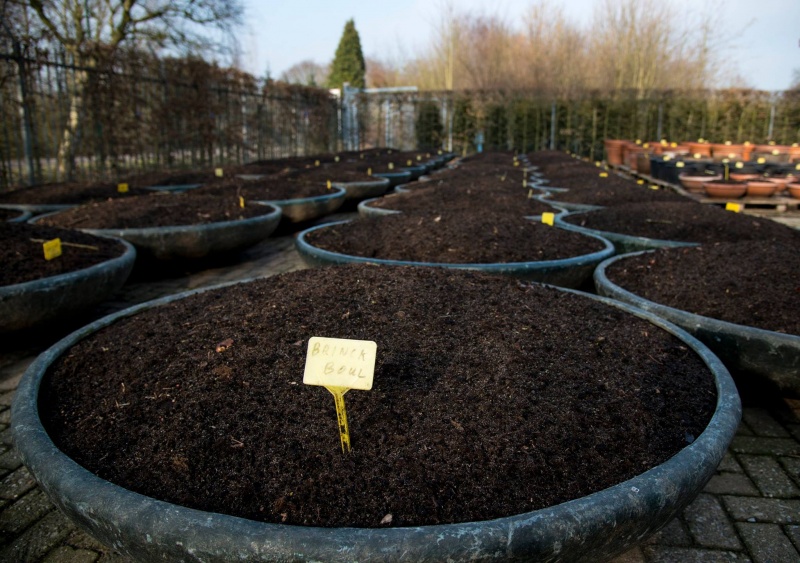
x,y
764,43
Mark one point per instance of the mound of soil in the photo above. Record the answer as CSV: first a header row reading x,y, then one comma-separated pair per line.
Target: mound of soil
x,y
490,398
591,189
9,214
339,172
157,210
453,238
67,194
22,256
682,221
441,197
752,283
275,188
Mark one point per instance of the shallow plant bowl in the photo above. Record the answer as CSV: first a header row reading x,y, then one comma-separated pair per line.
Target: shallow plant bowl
x,y
568,272
307,208
761,188
694,183
177,188
362,190
720,190
622,243
569,206
595,527
23,213
30,304
770,355
197,241
366,210
794,190
395,178
743,176
415,171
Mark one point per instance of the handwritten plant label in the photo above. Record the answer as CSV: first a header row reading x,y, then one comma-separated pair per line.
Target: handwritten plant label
x,y
604,174
122,188
735,207
218,172
52,249
329,184
241,202
340,364
548,218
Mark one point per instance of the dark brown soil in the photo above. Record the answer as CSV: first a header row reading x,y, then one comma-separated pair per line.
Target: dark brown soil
x,y
752,283
440,197
275,188
335,173
8,214
67,194
174,178
683,221
23,258
590,188
453,238
158,210
490,398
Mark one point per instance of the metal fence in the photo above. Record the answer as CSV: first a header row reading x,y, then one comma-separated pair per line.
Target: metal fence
x,y
61,120
531,120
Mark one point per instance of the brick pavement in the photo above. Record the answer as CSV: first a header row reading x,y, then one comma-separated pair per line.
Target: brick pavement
x,y
749,511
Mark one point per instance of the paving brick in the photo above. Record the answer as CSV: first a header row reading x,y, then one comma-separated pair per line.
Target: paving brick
x,y
775,511
674,534
39,539
763,424
765,446
81,540
24,512
6,398
5,416
794,430
709,525
769,476
5,435
10,460
659,554
731,484
793,533
729,464
113,557
767,543
67,554
792,467
744,429
16,484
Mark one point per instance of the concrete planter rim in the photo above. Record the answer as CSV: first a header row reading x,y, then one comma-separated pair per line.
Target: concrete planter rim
x,y
24,213
619,237
336,191
569,530
337,258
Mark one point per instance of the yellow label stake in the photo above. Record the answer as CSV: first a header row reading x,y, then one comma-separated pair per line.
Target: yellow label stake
x,y
640,182
330,186
336,158
122,188
218,172
340,364
548,218
241,202
52,249
408,162
369,171
391,166
735,207
604,174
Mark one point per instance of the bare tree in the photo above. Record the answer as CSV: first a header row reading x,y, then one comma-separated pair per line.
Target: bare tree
x,y
92,32
306,73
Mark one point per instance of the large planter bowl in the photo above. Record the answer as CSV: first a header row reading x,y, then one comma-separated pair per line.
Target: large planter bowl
x,y
761,188
730,191
308,208
592,528
30,304
365,210
415,171
362,190
694,183
770,355
622,243
794,190
568,272
395,178
549,198
23,213
176,189
197,241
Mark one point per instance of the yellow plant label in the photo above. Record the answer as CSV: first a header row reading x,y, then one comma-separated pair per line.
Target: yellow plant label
x,y
516,163
667,157
336,158
340,364
761,160
776,152
727,143
530,194
241,202
646,145
797,167
369,171
638,141
439,152
361,156
679,164
653,187
604,174
419,157
218,172
408,162
697,155
597,163
640,182
673,144
122,188
391,166
739,165
524,183
316,163
735,207
52,249
548,218
330,185
771,143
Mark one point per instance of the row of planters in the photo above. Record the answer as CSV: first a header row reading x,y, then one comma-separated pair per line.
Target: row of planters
x,y
506,420
164,218
715,170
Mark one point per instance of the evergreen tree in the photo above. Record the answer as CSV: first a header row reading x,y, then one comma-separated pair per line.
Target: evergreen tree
x,y
348,64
